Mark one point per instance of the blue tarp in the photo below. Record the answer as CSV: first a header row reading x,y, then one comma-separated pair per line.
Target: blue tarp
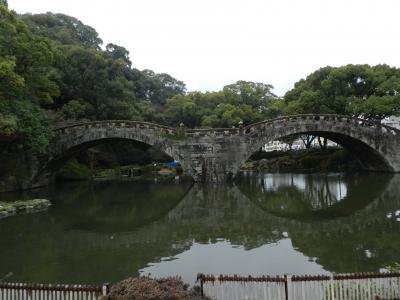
x,y
171,164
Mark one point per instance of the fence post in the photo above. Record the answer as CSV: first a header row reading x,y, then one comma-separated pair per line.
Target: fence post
x,y
288,280
369,288
106,289
200,277
201,287
332,288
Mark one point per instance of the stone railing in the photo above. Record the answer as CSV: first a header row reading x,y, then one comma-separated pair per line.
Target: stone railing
x,y
358,122
115,124
216,132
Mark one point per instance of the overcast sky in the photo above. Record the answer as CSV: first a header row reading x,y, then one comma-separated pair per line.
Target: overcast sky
x,y
212,43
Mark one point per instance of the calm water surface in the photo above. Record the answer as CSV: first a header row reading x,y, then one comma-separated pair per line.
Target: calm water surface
x,y
262,224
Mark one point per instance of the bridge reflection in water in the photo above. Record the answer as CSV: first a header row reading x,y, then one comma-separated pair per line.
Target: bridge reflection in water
x,y
262,224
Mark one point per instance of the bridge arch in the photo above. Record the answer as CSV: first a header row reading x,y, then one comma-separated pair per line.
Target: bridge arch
x,y
70,140
372,143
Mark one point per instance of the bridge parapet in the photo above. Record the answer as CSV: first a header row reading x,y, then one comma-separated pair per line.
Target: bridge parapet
x,y
354,121
215,132
115,124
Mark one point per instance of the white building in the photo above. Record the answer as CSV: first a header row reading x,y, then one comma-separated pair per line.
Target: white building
x,y
392,121
276,146
296,145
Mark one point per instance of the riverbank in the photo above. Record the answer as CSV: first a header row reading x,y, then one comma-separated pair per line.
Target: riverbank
x,y
8,209
307,161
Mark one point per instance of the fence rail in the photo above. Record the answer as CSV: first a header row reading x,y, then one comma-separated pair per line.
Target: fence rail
x,y
364,286
28,291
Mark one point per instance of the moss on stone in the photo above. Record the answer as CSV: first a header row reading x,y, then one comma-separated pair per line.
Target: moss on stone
x,y
12,208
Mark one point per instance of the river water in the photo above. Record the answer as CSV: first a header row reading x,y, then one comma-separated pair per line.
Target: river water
x,y
262,224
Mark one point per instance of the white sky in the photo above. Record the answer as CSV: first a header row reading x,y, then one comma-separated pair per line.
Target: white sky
x,y
212,43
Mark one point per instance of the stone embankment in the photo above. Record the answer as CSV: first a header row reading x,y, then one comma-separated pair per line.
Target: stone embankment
x,y
8,209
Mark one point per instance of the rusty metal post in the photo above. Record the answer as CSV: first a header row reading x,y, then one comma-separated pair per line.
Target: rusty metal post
x,y
286,288
201,287
200,277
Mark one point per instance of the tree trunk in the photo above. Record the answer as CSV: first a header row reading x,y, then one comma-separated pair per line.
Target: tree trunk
x,y
324,144
307,140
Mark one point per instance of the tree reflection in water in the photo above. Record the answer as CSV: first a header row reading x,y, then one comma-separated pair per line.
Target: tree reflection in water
x,y
312,196
109,231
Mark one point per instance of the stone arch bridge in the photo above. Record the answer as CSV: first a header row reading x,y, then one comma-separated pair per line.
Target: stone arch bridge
x,y
216,154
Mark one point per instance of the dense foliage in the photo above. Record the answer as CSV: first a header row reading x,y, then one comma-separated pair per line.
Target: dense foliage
x,y
27,81
63,29
357,90
53,69
243,101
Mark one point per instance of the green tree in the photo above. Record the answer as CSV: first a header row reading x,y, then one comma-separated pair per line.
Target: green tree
x,y
74,110
29,57
28,121
182,109
156,88
243,101
119,52
257,95
27,80
64,29
11,84
101,84
97,82
4,2
357,90
8,125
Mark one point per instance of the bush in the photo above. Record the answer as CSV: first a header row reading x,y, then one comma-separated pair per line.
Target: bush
x,y
145,288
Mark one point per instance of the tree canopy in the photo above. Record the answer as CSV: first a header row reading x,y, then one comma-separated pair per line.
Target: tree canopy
x,y
63,29
371,92
242,101
27,81
52,67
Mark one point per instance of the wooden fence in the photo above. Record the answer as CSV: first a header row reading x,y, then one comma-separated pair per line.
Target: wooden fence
x,y
26,291
322,287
